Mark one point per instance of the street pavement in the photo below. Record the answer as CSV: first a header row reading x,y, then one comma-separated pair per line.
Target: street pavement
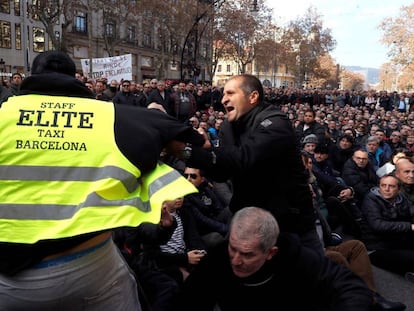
x,y
394,287
391,286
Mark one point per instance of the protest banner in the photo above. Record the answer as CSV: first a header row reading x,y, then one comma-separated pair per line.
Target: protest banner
x,y
111,68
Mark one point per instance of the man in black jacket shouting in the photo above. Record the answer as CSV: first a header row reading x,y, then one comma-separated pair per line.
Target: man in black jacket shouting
x,y
259,153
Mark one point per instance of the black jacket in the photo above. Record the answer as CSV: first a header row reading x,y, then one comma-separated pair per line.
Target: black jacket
x,y
140,134
314,128
155,97
205,207
386,225
361,180
260,154
125,98
5,93
296,278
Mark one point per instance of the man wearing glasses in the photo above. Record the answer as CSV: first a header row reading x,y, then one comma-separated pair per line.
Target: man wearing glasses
x,y
210,214
395,141
359,174
125,97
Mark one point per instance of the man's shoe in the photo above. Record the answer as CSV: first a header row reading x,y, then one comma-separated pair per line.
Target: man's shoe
x,y
409,276
380,303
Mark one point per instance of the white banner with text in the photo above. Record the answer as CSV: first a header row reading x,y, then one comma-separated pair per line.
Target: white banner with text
x,y
111,68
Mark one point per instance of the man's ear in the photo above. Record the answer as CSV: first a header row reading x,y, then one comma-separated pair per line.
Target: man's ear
x,y
272,252
254,98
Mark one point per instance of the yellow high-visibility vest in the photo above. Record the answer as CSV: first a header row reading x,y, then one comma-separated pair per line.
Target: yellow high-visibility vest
x,y
62,174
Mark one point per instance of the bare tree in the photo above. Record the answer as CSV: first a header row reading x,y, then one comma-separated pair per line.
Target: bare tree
x,y
398,36
240,27
352,80
52,13
307,40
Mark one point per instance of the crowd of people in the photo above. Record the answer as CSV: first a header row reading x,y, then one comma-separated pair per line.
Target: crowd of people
x,y
267,179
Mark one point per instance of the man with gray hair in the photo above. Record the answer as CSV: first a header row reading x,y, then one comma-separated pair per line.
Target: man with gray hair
x,y
259,267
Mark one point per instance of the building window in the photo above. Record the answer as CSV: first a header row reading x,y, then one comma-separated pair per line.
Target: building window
x,y
147,39
38,39
228,68
131,34
35,7
18,36
5,6
218,68
80,23
110,30
17,7
5,35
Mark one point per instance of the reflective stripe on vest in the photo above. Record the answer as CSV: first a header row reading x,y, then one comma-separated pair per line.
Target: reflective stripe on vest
x,y
56,193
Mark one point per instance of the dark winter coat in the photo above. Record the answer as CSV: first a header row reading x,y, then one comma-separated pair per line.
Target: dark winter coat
x,y
361,180
260,154
205,207
387,225
296,278
125,98
156,97
314,128
5,93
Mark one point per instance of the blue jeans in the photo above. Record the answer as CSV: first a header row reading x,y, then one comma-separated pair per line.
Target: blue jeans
x,y
98,280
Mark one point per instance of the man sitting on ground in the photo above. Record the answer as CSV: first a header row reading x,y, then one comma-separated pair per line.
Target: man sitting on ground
x,y
257,269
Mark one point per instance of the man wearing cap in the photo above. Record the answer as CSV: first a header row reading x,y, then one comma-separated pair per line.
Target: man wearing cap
x,y
309,143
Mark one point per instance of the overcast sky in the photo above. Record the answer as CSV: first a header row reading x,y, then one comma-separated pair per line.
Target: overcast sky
x,y
354,25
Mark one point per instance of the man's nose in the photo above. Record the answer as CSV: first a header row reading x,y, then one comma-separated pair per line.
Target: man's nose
x,y
235,260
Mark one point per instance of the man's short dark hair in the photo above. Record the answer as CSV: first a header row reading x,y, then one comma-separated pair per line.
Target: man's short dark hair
x,y
17,74
321,148
250,83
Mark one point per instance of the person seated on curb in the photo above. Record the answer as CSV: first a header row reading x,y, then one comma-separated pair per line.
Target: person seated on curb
x,y
359,174
183,250
334,199
388,226
210,214
352,253
258,267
